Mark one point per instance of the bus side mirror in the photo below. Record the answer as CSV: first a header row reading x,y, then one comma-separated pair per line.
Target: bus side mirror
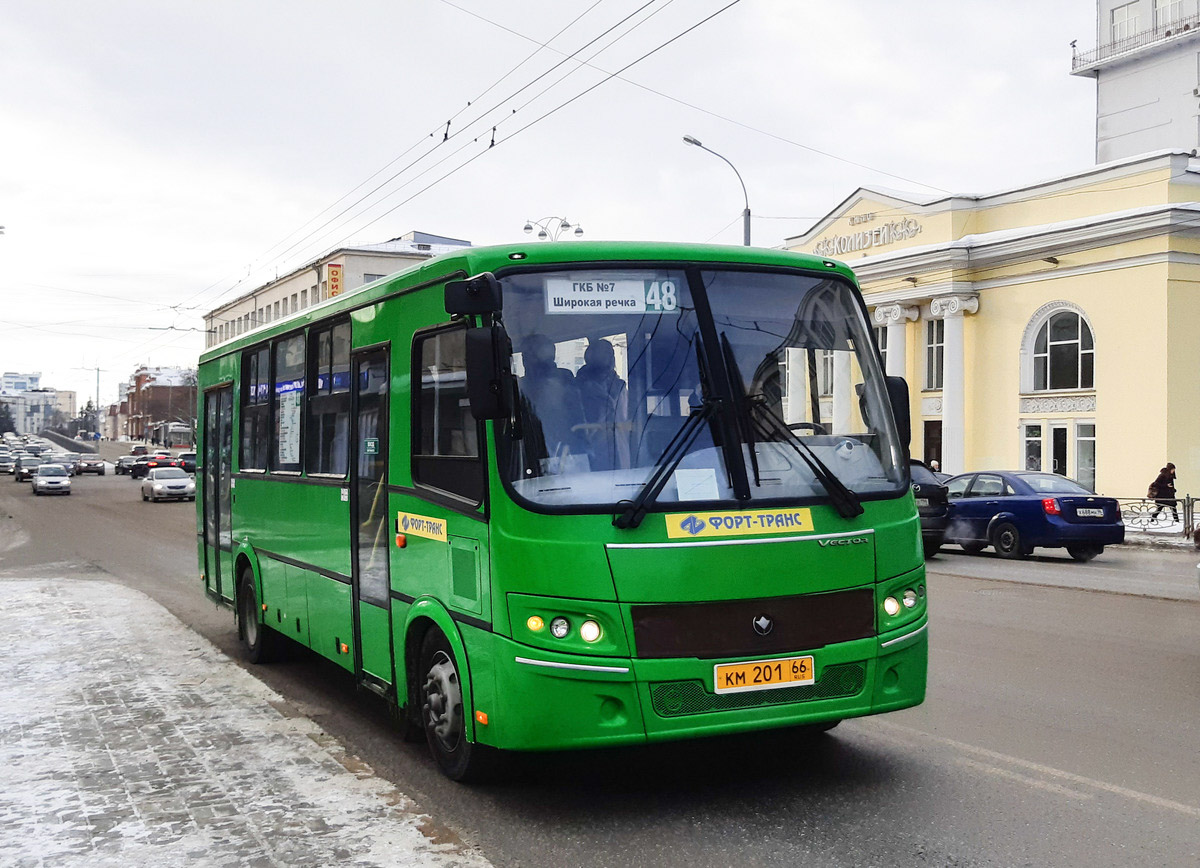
x,y
475,295
898,395
489,371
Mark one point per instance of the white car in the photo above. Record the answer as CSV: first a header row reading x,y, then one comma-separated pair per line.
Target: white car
x,y
50,479
166,483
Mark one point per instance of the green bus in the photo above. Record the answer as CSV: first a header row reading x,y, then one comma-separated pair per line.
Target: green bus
x,y
571,495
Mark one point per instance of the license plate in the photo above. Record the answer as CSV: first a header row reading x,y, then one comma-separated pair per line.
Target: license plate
x,y
763,674
1087,512
922,501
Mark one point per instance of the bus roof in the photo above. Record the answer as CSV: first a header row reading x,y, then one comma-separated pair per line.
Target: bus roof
x,y
475,260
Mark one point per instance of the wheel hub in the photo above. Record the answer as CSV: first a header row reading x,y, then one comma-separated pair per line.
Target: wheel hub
x,y
443,701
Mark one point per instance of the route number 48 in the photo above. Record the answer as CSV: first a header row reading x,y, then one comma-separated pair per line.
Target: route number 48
x,y
660,296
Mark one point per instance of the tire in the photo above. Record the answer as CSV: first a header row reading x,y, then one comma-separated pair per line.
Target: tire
x,y
973,547
144,498
258,640
1084,553
442,713
1007,540
102,472
932,548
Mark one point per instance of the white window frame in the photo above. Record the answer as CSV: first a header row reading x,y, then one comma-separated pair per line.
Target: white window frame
x,y
1124,21
935,354
1039,319
1167,12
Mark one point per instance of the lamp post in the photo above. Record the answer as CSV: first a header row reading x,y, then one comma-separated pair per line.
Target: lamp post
x,y
692,140
552,227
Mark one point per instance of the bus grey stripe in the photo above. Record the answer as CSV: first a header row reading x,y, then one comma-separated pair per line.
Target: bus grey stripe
x,y
739,542
580,666
915,632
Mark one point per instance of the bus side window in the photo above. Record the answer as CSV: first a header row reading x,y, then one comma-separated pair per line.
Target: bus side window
x,y
445,441
327,443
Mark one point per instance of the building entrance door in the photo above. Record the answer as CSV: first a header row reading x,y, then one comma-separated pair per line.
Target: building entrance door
x,y
1058,449
933,446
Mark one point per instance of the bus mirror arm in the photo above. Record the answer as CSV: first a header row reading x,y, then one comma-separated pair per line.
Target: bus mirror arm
x,y
898,396
489,372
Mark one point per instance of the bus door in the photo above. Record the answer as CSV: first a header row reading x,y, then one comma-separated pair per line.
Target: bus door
x,y
217,475
369,527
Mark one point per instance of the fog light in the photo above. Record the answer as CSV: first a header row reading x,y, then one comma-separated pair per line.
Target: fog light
x,y
589,631
535,624
560,627
892,606
910,598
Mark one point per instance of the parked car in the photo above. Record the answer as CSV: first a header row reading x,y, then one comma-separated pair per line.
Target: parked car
x,y
1018,511
146,463
166,483
121,465
50,478
91,464
27,465
189,461
932,506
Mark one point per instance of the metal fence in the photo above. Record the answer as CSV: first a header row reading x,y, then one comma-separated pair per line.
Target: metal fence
x,y
1152,516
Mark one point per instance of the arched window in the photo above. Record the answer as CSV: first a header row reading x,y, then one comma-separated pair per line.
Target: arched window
x,y
1063,353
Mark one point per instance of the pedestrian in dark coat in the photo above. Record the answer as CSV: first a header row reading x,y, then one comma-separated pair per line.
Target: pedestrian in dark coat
x,y
1162,489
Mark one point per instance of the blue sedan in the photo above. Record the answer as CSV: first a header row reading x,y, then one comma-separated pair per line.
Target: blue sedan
x,y
1017,511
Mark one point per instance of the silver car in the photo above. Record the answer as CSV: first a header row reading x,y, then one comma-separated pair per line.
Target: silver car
x,y
167,483
51,479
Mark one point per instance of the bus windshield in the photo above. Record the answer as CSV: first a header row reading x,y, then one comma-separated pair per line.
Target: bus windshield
x,y
738,384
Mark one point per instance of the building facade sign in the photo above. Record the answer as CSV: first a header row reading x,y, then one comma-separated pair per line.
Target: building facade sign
x,y
886,233
334,270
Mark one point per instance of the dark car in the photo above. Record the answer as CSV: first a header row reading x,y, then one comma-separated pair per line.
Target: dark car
x,y
140,449
146,463
1018,511
91,464
27,465
189,461
932,505
69,460
121,465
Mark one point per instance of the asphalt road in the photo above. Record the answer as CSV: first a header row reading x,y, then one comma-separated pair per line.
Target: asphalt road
x,y
1060,726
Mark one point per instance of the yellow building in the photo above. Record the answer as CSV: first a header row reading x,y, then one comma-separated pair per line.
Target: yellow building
x,y
1054,326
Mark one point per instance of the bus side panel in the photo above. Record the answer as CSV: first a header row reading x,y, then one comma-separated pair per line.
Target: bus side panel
x,y
273,577
377,660
330,619
296,625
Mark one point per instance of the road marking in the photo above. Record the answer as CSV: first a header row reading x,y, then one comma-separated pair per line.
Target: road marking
x,y
1024,779
1103,786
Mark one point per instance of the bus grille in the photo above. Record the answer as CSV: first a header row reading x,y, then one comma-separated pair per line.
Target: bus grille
x,y
679,698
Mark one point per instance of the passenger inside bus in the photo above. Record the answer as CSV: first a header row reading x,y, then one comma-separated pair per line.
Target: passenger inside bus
x,y
605,403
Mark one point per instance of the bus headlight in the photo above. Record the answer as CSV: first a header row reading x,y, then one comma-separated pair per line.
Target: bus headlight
x,y
536,624
560,627
892,606
589,631
910,598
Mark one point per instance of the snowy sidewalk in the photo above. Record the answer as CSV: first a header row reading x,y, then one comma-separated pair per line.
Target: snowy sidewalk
x,y
128,739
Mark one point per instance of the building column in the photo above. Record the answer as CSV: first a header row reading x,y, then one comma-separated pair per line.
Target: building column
x,y
896,317
952,309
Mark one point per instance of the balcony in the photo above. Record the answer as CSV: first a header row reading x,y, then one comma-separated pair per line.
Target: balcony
x,y
1085,62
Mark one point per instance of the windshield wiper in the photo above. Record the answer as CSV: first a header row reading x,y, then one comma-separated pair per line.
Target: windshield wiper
x,y
845,501
635,511
741,405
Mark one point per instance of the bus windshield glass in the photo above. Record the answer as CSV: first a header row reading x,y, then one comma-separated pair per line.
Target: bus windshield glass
x,y
741,384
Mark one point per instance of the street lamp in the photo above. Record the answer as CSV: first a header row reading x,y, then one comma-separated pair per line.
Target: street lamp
x,y
552,227
692,140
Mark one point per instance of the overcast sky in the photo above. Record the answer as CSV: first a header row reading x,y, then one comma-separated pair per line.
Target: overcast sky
x,y
156,157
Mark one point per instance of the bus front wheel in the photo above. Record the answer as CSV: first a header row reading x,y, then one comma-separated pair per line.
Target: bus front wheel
x,y
256,638
442,715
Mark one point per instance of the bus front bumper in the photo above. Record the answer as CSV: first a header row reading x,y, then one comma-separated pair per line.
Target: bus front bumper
x,y
546,701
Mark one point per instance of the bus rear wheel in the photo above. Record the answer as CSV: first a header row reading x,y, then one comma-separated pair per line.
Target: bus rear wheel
x,y
440,698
